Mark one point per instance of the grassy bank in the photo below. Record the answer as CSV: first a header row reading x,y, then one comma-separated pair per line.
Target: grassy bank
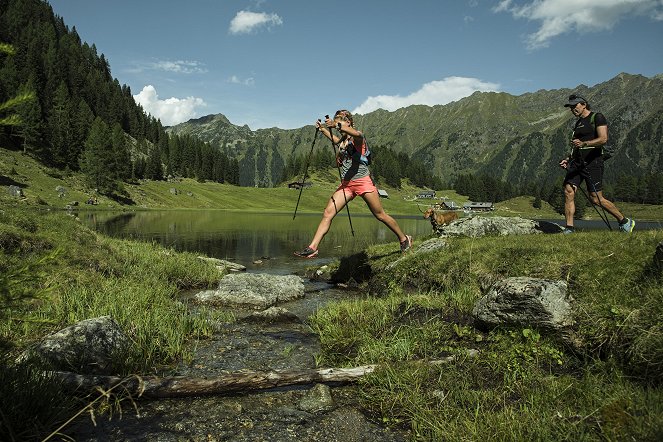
x,y
55,272
65,272
522,385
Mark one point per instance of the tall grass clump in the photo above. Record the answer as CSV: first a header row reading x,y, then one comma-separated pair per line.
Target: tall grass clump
x,y
521,384
55,272
89,275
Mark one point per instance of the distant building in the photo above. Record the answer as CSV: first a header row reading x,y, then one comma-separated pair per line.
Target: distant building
x,y
426,194
298,185
383,193
478,207
450,205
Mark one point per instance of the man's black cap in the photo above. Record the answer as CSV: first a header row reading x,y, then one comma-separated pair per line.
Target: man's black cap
x,y
575,99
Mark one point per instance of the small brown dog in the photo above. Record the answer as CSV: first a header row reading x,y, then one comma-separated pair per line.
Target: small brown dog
x,y
440,219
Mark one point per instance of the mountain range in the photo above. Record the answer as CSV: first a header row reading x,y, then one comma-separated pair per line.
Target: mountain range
x,y
519,139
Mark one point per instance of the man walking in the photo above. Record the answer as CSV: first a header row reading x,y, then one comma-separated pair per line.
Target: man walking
x,y
585,162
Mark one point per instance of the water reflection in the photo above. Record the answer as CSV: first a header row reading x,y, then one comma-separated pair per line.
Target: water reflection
x,y
247,237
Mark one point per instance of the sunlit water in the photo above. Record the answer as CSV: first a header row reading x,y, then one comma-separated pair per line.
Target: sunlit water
x,y
261,242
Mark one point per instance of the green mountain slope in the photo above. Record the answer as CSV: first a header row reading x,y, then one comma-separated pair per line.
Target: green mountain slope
x,y
515,138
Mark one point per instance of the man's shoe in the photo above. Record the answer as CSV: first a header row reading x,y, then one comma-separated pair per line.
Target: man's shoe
x,y
628,226
406,244
566,231
307,253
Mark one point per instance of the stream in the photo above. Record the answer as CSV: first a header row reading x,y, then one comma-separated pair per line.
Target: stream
x,y
284,414
280,415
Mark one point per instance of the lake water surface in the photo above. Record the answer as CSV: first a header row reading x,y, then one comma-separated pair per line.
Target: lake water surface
x,y
246,237
266,242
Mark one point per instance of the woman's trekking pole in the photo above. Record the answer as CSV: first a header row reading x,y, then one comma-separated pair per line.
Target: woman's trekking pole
x,y
315,137
338,166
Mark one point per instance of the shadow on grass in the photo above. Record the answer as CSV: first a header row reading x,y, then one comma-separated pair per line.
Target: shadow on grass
x,y
6,181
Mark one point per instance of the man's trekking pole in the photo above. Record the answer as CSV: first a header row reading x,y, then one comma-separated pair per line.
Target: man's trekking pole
x,y
338,166
315,137
604,216
588,179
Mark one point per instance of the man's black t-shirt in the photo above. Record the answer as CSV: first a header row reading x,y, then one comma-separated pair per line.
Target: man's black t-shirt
x,y
584,130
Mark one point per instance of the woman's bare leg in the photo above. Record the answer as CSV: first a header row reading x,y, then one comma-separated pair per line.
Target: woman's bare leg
x,y
335,205
373,201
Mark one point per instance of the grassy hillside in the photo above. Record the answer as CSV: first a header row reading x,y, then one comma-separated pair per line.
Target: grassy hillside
x,y
522,385
39,185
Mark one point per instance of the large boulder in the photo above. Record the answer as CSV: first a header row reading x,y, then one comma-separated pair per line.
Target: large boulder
x,y
91,346
528,302
254,290
498,226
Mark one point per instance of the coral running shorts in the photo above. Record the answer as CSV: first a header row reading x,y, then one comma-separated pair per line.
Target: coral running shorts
x,y
356,187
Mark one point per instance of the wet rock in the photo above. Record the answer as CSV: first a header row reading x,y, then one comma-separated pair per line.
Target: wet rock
x,y
528,302
317,400
223,265
323,273
658,257
273,315
254,290
90,347
498,226
348,424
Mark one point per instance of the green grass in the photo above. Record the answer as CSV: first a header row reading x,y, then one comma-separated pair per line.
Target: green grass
x,y
77,274
39,184
522,385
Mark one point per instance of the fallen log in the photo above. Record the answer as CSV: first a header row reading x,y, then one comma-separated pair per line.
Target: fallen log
x,y
184,386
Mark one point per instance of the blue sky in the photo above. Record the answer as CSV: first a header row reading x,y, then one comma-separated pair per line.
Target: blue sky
x,y
284,63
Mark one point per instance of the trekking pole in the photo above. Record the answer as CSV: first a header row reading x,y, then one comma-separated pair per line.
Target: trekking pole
x,y
338,166
604,216
315,137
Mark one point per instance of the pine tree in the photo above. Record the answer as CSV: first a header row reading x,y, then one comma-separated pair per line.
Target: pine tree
x,y
154,168
98,160
29,118
82,119
121,158
59,127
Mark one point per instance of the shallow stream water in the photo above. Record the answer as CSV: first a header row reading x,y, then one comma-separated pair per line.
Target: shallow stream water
x,y
264,246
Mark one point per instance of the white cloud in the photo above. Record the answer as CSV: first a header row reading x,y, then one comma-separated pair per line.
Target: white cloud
x,y
559,17
171,110
180,66
436,92
246,22
250,81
